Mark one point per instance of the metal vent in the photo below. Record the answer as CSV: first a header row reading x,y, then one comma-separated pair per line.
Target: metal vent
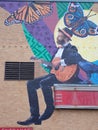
x,y
19,70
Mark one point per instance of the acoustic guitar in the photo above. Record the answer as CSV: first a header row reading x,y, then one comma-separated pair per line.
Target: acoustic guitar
x,y
62,73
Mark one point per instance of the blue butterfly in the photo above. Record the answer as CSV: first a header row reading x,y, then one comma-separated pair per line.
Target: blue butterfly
x,y
79,24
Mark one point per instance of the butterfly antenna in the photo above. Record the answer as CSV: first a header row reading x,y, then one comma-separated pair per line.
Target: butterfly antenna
x,y
92,15
89,14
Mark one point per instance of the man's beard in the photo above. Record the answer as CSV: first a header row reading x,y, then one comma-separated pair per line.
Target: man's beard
x,y
60,42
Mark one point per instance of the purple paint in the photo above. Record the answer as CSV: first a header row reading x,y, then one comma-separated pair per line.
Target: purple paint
x,y
11,6
52,20
38,30
41,32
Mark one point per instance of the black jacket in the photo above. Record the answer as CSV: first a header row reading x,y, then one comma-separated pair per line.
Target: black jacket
x,y
71,55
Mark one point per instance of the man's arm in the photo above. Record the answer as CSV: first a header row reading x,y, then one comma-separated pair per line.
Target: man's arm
x,y
73,56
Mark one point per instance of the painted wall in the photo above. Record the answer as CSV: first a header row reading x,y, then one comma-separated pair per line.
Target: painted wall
x,y
13,95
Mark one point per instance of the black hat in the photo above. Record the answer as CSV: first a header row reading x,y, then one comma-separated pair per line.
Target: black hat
x,y
67,32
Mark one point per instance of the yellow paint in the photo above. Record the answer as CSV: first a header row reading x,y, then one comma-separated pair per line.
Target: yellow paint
x,y
87,47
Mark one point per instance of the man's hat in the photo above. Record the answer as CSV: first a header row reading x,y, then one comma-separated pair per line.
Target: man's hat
x,y
66,32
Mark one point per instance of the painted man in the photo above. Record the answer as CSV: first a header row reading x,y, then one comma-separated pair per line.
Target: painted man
x,y
68,55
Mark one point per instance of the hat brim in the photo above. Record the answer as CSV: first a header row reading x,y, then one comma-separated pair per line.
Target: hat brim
x,y
66,34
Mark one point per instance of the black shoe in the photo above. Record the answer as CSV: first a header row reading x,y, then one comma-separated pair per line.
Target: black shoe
x,y
48,112
30,121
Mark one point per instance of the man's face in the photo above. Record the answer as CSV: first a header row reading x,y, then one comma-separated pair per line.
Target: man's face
x,y
61,38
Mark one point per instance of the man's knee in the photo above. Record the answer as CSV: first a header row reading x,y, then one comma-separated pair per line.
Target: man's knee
x,y
43,84
30,84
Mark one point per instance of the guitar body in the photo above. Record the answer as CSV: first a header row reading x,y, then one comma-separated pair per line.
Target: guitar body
x,y
63,73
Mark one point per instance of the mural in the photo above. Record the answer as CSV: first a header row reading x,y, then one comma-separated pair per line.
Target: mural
x,y
56,33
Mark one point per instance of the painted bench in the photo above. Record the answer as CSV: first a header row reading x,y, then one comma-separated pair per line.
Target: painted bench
x,y
76,96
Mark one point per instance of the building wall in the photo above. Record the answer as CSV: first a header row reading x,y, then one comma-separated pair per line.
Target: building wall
x,y
13,94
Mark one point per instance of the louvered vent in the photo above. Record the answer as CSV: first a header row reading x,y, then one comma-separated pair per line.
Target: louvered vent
x,y
19,70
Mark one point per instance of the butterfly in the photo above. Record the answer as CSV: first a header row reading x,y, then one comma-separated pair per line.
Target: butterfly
x,y
80,25
29,13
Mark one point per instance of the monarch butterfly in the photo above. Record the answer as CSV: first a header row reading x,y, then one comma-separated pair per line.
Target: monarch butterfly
x,y
29,13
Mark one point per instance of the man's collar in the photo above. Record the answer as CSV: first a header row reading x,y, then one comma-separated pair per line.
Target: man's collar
x,y
66,44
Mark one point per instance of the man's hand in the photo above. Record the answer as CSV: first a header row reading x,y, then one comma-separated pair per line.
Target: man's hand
x,y
57,66
34,59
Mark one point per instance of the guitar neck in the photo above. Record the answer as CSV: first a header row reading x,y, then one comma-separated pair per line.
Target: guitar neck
x,y
47,63
34,59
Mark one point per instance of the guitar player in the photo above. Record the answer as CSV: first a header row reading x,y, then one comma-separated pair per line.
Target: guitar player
x,y
68,56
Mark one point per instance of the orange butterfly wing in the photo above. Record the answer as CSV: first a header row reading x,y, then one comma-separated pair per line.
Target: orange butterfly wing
x,y
20,13
26,14
31,16
29,13
44,9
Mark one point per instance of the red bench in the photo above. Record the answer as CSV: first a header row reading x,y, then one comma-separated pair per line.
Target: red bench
x,y
76,96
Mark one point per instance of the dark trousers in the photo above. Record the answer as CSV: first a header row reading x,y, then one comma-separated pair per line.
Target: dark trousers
x,y
45,84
